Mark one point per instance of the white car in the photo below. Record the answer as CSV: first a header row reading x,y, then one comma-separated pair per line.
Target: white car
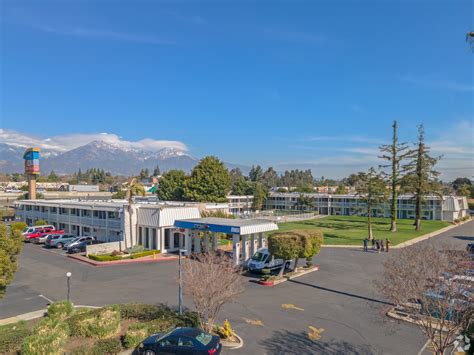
x,y
33,229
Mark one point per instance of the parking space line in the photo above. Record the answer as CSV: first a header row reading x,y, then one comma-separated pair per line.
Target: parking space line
x,y
46,298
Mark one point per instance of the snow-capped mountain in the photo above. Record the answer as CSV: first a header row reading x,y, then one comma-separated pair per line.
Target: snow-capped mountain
x,y
98,154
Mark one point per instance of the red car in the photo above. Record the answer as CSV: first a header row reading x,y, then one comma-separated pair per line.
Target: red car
x,y
41,233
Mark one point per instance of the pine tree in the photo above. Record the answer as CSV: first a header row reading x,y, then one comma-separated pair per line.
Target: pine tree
x,y
394,153
421,178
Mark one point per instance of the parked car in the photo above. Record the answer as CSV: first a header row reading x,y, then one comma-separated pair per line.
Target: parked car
x,y
79,244
181,341
262,259
41,233
29,230
58,240
41,240
470,248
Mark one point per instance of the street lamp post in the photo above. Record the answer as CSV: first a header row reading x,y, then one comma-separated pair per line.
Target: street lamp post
x,y
180,294
68,275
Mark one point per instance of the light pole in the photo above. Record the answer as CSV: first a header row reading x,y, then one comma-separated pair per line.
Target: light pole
x,y
180,292
68,275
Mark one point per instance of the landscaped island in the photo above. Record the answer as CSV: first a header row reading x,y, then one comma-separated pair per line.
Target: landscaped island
x,y
352,230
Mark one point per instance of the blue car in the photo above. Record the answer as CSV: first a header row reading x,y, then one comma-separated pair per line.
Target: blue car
x,y
181,341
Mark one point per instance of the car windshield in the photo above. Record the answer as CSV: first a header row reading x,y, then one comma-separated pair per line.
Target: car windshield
x,y
55,236
258,256
204,338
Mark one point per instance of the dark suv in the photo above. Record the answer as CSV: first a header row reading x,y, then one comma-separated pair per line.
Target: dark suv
x,y
79,244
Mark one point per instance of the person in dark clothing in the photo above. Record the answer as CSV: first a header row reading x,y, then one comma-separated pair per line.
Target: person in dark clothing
x,y
373,244
377,245
387,243
381,245
366,244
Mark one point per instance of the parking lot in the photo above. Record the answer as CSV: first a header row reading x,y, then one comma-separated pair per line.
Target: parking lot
x,y
339,302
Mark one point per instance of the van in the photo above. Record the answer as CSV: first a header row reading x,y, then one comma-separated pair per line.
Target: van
x,y
262,259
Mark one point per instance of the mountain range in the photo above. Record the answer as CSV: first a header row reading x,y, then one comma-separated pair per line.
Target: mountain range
x,y
103,155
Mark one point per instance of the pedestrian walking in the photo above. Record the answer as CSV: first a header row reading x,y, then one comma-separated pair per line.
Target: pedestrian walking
x,y
381,245
366,244
377,245
373,243
387,243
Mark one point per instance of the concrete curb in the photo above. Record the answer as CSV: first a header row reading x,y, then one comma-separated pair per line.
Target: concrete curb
x,y
32,315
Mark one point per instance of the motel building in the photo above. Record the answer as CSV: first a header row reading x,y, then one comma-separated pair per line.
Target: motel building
x,y
165,226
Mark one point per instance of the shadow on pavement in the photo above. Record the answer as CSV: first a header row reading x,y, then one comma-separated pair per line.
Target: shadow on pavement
x,y
464,237
341,292
286,342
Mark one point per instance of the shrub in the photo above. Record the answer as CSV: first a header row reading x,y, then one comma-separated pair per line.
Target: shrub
x,y
12,335
107,346
135,334
98,323
18,226
60,310
144,312
134,249
144,253
456,221
48,337
105,257
226,331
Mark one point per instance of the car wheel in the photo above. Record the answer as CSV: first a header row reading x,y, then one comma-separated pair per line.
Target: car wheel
x,y
149,352
287,265
59,245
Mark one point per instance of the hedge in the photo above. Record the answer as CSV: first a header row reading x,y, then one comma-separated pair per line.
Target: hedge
x,y
12,335
106,257
135,334
144,253
48,337
98,323
60,310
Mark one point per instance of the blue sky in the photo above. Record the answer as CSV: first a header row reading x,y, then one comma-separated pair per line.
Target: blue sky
x,y
308,84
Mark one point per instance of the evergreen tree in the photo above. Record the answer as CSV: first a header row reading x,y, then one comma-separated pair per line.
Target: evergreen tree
x,y
256,173
171,185
372,192
421,178
270,178
209,181
394,153
260,194
156,171
52,177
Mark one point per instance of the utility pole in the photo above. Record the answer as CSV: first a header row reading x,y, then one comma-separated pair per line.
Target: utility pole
x,y
180,292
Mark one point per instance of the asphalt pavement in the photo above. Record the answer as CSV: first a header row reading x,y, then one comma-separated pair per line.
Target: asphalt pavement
x,y
336,310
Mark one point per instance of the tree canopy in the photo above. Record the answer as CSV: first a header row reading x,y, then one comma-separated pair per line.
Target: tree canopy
x,y
171,185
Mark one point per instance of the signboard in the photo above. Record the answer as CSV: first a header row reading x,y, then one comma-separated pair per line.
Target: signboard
x,y
31,158
207,227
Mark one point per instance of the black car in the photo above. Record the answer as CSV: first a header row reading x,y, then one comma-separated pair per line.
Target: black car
x,y
79,244
470,248
181,341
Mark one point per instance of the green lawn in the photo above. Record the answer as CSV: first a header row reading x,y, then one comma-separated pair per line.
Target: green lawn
x,y
351,230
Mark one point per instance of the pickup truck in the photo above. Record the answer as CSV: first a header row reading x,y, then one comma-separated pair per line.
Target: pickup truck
x,y
262,259
41,233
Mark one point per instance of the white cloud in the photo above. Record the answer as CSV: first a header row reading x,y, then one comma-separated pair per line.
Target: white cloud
x,y
67,142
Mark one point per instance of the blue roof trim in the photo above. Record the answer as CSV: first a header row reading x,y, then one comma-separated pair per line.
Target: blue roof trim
x,y
207,227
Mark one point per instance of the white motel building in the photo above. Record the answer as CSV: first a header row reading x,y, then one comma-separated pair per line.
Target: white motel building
x,y
445,208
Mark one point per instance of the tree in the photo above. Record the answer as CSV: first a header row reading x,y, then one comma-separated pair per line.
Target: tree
x,y
311,245
260,194
211,280
133,188
458,182
10,248
464,190
470,39
41,222
144,174
239,184
351,180
286,246
256,173
394,153
372,192
52,177
424,275
270,178
421,178
156,171
304,202
171,185
209,181
341,190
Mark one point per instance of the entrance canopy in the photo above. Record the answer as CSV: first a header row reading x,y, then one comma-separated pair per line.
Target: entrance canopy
x,y
227,225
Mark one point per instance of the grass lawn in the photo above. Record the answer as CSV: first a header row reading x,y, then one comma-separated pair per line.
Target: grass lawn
x,y
351,230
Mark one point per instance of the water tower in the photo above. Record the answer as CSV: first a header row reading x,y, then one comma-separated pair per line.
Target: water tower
x,y
32,169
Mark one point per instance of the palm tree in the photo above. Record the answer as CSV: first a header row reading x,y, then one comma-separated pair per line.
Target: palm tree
x,y
133,188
